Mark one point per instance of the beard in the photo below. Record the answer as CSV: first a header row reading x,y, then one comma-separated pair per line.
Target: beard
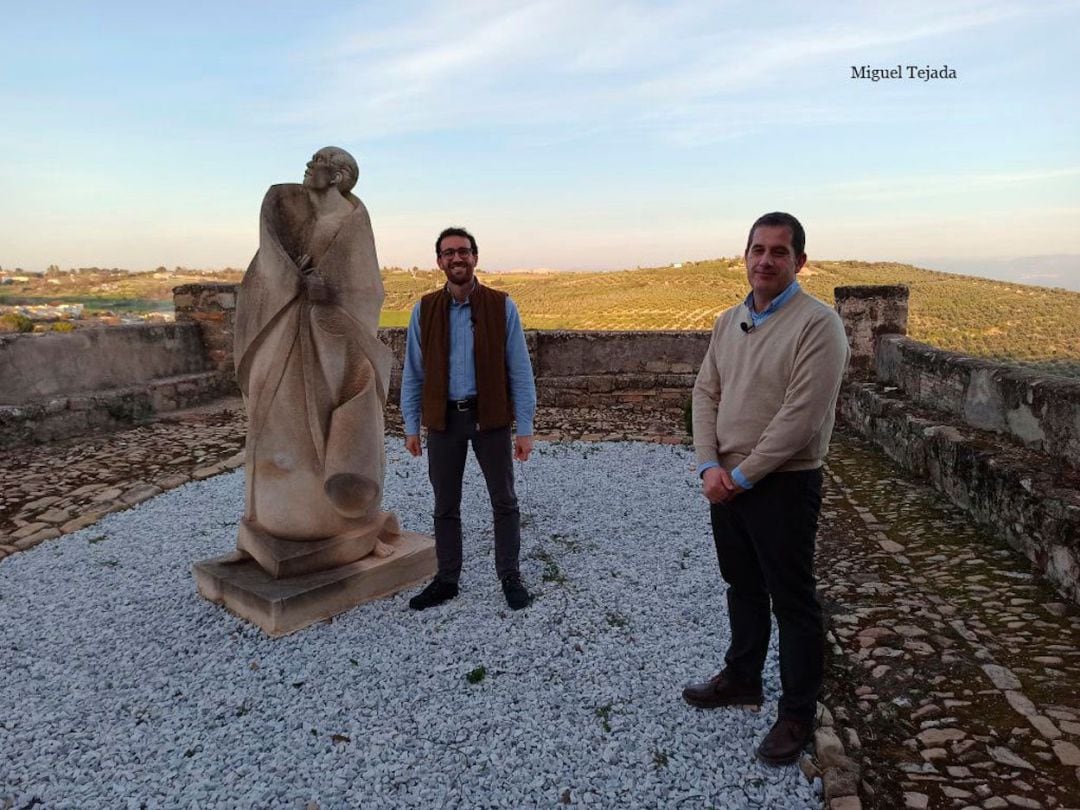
x,y
459,273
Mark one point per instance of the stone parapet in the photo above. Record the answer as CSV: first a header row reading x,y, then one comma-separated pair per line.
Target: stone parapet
x,y
642,370
394,338
650,391
868,313
580,354
91,412
38,368
648,370
1038,411
211,306
1025,496
55,386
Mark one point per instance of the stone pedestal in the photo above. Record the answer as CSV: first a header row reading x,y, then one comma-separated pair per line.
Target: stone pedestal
x,y
282,606
868,312
288,559
213,307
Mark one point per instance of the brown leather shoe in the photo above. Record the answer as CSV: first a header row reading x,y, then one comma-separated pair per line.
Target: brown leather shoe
x,y
719,691
785,741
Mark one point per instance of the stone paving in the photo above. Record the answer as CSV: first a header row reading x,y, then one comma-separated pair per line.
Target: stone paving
x,y
53,489
953,670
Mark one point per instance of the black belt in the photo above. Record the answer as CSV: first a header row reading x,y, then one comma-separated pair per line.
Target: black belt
x,y
462,404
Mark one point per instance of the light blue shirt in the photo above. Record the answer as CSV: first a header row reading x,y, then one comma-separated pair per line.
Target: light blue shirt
x,y
756,319
462,382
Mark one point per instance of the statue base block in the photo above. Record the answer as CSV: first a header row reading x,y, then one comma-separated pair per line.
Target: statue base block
x,y
282,606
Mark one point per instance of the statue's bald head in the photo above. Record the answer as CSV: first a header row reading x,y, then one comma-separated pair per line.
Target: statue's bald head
x,y
342,161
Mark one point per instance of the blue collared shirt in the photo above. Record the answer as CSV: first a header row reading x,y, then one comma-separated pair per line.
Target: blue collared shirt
x,y
462,382
757,319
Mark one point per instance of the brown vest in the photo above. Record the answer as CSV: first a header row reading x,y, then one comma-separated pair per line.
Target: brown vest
x,y
489,353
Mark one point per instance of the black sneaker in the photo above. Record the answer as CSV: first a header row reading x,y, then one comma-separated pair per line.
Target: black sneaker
x,y
515,592
434,594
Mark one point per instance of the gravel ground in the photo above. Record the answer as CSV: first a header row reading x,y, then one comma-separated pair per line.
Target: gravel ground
x,y
123,688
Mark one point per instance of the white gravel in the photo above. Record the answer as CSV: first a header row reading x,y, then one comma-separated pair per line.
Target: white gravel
x,y
121,687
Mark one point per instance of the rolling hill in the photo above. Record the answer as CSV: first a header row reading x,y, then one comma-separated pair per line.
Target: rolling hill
x,y
1036,326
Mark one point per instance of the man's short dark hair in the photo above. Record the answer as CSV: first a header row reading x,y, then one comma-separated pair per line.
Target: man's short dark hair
x,y
455,232
780,219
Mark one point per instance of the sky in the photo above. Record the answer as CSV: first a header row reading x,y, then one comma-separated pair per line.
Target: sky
x,y
566,134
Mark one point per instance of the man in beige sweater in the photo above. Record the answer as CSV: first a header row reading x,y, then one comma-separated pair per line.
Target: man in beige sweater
x,y
764,406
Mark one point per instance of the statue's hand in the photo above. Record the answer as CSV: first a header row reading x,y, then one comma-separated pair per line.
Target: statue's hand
x,y
303,264
318,291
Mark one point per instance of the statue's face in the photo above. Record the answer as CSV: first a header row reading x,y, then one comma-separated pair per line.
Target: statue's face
x,y
320,173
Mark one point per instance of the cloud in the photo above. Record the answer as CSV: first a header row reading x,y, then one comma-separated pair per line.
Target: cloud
x,y
682,69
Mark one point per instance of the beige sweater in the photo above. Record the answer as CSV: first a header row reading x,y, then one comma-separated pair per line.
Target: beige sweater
x,y
766,400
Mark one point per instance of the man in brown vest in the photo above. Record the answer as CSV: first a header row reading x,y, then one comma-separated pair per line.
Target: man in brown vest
x,y
467,378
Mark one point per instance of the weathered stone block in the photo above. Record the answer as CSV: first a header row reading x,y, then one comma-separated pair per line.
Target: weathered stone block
x,y
869,312
570,399
37,538
983,403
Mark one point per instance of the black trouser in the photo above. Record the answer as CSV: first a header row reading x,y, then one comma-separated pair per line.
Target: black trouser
x,y
447,450
765,545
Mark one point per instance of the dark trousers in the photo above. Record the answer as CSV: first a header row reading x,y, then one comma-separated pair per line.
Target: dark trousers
x,y
447,450
765,545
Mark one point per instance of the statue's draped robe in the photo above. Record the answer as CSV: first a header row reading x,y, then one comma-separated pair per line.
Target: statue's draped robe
x,y
314,378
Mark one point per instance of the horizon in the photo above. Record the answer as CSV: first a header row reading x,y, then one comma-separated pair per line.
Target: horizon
x,y
1017,271
658,141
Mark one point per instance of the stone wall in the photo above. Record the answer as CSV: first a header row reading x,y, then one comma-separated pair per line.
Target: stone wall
x,y
394,338
211,307
113,381
1020,495
1040,412
998,441
648,370
38,367
58,385
104,410
870,312
645,370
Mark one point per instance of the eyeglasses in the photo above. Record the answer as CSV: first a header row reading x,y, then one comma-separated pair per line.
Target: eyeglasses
x,y
461,253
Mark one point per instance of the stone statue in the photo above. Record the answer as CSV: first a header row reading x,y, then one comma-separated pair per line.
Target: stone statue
x,y
314,377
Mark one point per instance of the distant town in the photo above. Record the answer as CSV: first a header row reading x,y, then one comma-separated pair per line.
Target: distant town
x,y
62,300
